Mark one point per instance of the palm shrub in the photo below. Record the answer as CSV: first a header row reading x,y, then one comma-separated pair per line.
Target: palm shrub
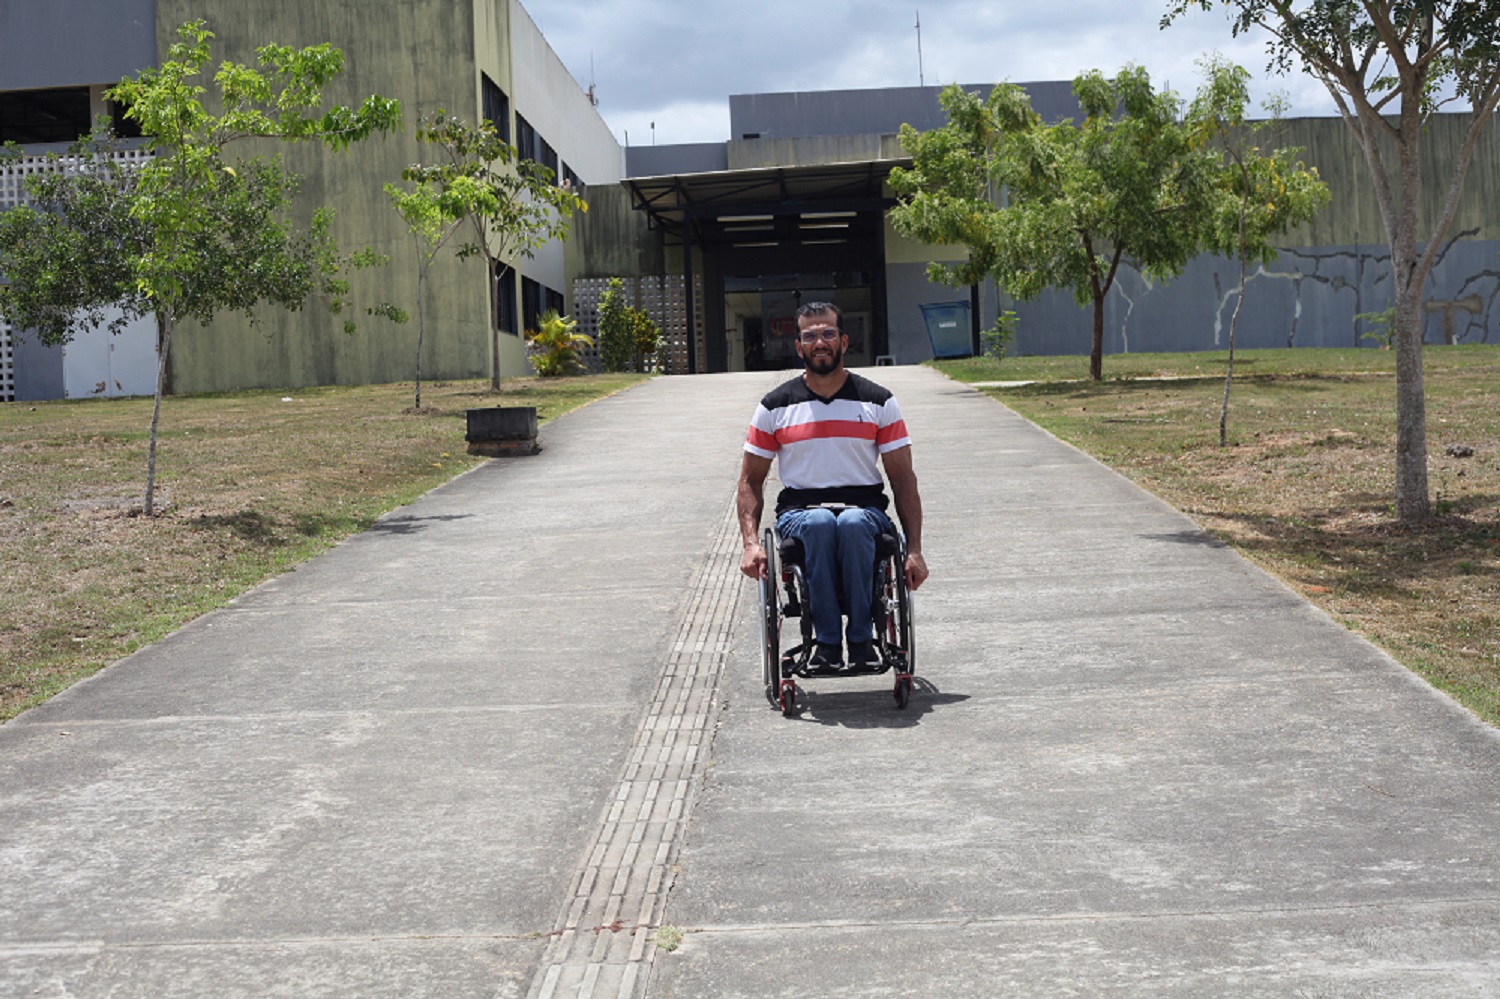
x,y
553,348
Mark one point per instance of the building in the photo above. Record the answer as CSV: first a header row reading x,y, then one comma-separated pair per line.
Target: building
x,y
719,241
473,58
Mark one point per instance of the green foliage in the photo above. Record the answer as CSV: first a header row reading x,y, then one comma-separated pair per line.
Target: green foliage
x,y
1383,326
509,206
188,232
554,347
646,337
221,235
1040,206
1388,66
616,331
997,340
430,227
1261,194
68,253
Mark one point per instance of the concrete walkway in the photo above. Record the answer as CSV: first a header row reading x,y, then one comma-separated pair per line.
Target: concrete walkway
x,y
490,747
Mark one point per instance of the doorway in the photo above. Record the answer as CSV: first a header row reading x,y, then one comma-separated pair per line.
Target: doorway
x,y
760,313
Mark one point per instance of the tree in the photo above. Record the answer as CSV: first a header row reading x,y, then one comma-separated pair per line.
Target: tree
x,y
645,338
511,204
188,232
1389,64
1261,195
616,335
1129,182
431,224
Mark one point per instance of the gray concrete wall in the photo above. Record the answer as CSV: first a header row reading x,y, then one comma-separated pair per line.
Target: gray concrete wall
x,y
70,43
861,112
662,161
1308,297
38,369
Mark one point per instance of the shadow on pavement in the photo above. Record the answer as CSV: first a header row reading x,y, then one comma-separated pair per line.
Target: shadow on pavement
x,y
870,708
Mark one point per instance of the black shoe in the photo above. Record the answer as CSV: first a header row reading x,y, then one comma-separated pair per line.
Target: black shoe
x,y
825,656
863,654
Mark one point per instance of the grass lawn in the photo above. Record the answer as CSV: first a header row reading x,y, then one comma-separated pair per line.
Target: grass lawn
x,y
249,484
1306,486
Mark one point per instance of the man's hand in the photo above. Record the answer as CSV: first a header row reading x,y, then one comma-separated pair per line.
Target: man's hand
x,y
753,562
916,570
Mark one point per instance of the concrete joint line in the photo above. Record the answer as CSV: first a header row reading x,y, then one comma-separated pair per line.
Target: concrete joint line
x,y
601,945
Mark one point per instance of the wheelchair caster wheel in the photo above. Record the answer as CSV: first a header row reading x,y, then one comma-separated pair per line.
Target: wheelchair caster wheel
x,y
788,698
902,692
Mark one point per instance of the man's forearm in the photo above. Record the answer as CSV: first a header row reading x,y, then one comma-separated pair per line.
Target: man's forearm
x,y
750,504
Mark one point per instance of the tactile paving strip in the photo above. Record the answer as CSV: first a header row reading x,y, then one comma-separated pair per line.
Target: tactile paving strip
x,y
605,938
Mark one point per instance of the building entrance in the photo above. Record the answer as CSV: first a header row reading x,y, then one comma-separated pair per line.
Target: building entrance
x,y
760,317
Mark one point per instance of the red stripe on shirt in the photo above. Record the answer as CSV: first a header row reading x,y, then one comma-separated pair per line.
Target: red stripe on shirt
x,y
894,432
759,438
857,429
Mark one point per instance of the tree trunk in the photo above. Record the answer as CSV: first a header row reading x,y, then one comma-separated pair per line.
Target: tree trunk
x,y
421,329
163,352
1413,506
495,287
1234,321
1096,352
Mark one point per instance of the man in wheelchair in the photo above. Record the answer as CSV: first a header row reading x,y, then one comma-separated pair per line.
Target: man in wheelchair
x,y
829,429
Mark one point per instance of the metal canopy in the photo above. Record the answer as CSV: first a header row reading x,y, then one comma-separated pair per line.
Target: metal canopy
x,y
672,200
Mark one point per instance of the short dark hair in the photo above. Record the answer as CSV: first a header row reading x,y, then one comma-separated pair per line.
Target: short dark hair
x,y
818,308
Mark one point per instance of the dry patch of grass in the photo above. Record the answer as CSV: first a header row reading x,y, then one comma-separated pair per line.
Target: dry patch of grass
x,y
249,485
1305,488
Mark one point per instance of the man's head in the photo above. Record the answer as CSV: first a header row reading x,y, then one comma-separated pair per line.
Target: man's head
x,y
820,338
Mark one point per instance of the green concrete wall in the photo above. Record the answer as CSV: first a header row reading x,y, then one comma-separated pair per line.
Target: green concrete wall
x,y
611,239
423,53
1353,216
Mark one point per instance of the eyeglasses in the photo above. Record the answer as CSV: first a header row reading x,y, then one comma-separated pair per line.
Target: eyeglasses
x,y
813,336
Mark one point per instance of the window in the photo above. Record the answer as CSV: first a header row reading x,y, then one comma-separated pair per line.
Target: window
x,y
125,128
505,300
496,106
555,301
546,155
60,115
572,179
525,139
531,303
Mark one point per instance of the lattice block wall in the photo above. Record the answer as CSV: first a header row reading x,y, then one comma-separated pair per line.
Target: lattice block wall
x,y
664,300
7,363
13,173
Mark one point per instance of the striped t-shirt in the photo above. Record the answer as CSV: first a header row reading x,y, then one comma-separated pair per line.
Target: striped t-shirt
x,y
827,449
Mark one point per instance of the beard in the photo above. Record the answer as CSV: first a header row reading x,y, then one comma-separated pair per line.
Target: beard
x,y
823,365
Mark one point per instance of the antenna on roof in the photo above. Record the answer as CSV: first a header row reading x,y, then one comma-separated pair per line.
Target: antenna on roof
x,y
593,97
921,77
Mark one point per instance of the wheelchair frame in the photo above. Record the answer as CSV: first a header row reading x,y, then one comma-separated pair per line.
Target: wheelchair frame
x,y
784,594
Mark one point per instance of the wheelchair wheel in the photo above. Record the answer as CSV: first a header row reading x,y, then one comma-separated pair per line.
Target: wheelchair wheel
x,y
902,693
770,618
788,697
901,631
905,631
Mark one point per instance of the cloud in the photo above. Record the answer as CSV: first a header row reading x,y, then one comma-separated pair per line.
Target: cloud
x,y
676,63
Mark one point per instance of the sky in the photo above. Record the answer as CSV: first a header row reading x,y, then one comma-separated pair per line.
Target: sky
x,y
674,63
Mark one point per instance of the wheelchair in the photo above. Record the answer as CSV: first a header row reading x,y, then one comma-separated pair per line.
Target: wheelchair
x,y
784,594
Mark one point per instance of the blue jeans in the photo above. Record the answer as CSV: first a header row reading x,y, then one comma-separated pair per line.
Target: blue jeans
x,y
839,560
